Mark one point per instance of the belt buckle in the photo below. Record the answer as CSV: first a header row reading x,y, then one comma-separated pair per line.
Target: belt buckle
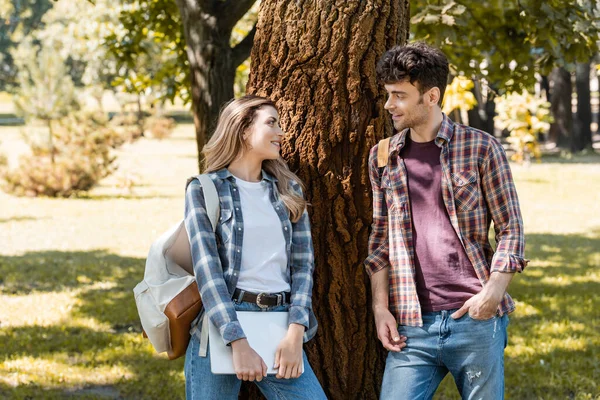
x,y
258,300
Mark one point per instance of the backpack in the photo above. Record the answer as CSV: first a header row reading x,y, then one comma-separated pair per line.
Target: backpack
x,y
383,152
168,299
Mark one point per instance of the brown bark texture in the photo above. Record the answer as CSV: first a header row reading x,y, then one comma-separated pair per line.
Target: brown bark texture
x,y
316,60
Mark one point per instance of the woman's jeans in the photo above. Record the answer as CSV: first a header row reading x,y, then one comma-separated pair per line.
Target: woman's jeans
x,y
202,384
471,350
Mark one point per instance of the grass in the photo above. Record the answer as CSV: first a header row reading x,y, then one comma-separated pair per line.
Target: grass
x,y
69,328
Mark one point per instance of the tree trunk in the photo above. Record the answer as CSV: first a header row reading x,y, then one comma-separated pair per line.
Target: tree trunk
x,y
51,140
583,121
490,111
140,114
317,61
475,119
560,98
207,29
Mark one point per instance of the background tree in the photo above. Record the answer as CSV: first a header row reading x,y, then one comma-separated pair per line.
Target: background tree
x,y
504,43
317,61
582,130
201,32
560,94
46,91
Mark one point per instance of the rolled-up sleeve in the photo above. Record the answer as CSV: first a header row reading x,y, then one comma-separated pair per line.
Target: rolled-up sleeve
x,y
378,257
207,266
301,268
503,204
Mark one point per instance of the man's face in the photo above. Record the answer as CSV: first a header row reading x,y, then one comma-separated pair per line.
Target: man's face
x,y
405,103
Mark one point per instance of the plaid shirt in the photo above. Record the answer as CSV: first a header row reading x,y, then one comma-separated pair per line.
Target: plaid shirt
x,y
477,187
217,263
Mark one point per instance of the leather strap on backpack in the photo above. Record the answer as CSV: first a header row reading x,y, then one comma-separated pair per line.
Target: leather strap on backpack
x,y
383,152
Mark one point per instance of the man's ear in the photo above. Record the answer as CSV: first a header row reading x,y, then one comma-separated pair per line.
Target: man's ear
x,y
433,96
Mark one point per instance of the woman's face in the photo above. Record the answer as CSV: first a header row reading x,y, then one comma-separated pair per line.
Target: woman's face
x,y
264,136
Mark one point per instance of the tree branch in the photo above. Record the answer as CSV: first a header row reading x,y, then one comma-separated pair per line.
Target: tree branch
x,y
231,11
242,50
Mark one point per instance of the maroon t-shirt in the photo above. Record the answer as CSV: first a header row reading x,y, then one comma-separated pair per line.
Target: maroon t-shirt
x,y
445,277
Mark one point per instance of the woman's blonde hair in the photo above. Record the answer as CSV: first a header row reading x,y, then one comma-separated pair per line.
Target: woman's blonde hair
x,y
227,143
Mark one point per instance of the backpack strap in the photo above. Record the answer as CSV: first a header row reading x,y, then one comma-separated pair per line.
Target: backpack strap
x,y
213,209
211,199
383,152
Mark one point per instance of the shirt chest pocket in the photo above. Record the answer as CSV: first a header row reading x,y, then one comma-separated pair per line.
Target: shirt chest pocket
x,y
225,227
466,190
396,198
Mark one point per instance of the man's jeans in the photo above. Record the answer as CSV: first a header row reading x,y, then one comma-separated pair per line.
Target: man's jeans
x,y
201,384
472,350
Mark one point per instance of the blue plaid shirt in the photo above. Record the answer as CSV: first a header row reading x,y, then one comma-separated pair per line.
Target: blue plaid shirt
x,y
217,259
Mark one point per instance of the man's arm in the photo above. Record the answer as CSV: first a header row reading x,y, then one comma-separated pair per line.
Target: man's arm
x,y
503,204
377,264
387,328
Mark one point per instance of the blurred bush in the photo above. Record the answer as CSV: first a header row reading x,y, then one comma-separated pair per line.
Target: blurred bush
x,y
82,144
160,127
525,117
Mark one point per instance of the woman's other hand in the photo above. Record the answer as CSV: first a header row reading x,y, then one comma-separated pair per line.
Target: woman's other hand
x,y
248,365
288,358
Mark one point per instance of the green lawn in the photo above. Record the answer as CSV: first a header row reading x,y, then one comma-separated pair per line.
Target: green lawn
x,y
68,325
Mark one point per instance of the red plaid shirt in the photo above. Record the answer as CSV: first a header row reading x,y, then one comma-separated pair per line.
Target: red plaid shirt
x,y
477,188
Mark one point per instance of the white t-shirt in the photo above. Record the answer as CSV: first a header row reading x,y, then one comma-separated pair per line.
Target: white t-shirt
x,y
264,257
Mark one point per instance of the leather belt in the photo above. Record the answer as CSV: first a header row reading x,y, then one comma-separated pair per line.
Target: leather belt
x,y
263,300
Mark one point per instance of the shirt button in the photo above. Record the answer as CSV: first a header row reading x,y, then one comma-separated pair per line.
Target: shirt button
x,y
238,250
239,229
234,189
285,228
237,209
235,273
277,207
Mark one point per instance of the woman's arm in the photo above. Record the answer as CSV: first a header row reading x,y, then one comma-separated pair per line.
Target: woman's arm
x,y
207,266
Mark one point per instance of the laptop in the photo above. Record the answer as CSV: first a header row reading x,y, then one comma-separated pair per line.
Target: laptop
x,y
264,331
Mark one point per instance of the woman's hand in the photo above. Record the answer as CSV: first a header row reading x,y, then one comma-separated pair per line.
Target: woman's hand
x,y
247,364
288,358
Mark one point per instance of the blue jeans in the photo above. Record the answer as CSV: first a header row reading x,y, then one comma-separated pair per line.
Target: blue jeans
x,y
471,350
202,384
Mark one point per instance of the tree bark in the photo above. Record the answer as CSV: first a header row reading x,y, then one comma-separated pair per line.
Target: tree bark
x,y
583,120
560,98
317,61
207,28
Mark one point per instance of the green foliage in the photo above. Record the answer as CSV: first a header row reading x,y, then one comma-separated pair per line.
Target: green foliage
x,y
80,157
154,57
162,38
508,41
525,117
17,20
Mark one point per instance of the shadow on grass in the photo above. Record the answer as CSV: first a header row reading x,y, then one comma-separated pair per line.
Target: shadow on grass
x,y
102,197
21,218
561,284
558,341
589,158
49,271
105,282
148,376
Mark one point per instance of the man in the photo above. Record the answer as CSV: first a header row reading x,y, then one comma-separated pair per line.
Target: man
x,y
439,289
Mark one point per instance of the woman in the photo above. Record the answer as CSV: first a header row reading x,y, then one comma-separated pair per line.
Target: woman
x,y
262,245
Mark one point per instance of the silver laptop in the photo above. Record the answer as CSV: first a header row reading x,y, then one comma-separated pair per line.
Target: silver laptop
x,y
264,331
